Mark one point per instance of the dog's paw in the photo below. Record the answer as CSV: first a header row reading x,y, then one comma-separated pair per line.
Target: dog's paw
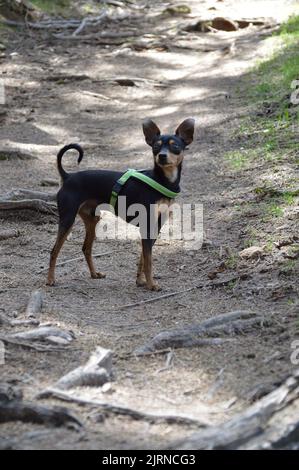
x,y
50,282
154,287
98,276
140,282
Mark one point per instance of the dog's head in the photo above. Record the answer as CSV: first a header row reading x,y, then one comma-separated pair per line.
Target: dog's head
x,y
168,150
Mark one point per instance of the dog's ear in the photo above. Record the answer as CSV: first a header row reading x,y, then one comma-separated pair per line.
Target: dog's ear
x,y
150,130
186,130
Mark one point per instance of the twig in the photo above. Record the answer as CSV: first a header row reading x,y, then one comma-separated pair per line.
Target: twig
x,y
94,21
62,263
179,292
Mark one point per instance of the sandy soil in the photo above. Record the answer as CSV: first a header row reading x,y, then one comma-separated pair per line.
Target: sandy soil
x,y
210,383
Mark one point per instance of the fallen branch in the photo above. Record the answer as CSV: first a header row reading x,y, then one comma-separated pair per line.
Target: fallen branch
x,y
17,194
7,321
34,347
94,373
271,423
94,21
45,334
227,324
32,204
29,413
35,304
103,35
125,411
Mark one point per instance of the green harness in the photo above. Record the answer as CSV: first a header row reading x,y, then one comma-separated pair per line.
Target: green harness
x,y
140,176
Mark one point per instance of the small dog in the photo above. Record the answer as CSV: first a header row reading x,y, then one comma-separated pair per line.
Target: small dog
x,y
83,191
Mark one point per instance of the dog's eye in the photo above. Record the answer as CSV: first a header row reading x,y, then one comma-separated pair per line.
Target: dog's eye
x,y
157,146
175,147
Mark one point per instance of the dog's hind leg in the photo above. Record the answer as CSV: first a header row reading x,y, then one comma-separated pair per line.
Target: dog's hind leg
x,y
63,232
90,221
67,216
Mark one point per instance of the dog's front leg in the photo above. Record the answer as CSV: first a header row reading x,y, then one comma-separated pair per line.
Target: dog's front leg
x,y
147,247
140,279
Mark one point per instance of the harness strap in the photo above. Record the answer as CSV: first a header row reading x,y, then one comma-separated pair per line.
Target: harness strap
x,y
140,176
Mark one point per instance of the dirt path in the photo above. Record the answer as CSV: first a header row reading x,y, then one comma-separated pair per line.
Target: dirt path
x,y
209,383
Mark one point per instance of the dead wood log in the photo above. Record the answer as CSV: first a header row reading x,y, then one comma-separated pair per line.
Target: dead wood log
x,y
7,321
30,413
31,204
94,373
17,194
35,347
271,423
35,304
123,410
205,333
44,334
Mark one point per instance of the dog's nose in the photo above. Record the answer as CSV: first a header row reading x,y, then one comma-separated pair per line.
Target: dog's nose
x,y
162,157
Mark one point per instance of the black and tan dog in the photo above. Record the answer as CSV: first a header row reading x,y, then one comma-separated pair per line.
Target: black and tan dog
x,y
83,191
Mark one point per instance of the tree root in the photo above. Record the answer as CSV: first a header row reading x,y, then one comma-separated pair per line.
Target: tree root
x,y
206,333
271,423
30,413
124,411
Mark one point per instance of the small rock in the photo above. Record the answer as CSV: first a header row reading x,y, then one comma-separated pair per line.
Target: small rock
x,y
252,252
224,24
49,182
107,388
98,417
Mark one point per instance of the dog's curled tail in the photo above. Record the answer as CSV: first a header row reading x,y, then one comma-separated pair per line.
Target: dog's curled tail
x,y
60,154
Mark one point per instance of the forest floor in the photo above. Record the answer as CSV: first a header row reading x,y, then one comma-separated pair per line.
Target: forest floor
x,y
60,91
